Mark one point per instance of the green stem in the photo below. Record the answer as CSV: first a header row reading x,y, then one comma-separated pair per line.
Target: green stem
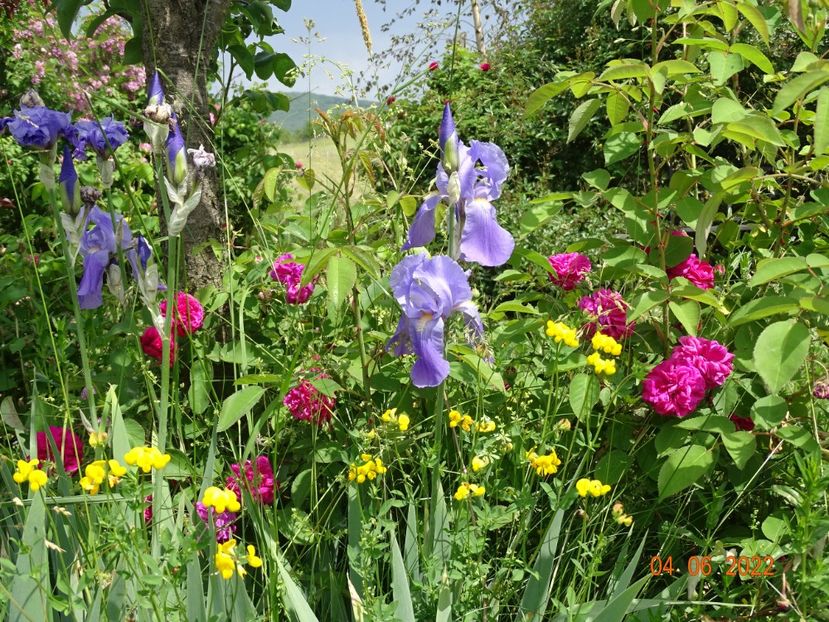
x,y
76,308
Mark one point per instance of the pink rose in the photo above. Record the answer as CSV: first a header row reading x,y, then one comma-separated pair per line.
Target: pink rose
x,y
570,268
189,315
711,358
700,273
674,388
608,313
151,344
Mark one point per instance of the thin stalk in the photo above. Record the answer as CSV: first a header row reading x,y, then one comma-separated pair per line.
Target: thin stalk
x,y
76,308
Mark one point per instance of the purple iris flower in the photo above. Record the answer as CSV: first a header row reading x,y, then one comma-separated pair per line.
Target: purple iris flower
x,y
176,154
103,138
429,291
99,248
38,127
69,187
155,91
471,187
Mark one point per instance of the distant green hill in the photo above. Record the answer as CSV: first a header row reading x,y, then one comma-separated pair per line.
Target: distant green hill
x,y
301,103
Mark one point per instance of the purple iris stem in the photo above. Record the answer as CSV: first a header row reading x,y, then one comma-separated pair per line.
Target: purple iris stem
x,y
173,261
76,307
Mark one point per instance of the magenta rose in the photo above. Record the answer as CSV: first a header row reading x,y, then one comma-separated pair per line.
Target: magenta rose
x,y
674,388
570,268
189,315
711,358
68,444
259,476
700,273
608,314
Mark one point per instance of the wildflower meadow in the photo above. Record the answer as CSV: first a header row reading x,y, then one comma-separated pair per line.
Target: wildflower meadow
x,y
549,344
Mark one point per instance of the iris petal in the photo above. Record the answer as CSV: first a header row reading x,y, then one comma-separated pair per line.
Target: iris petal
x,y
484,241
431,368
422,230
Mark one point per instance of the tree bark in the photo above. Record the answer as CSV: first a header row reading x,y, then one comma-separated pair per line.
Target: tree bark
x,y
479,29
180,39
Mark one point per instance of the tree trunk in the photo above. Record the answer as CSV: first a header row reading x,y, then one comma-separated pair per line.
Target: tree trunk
x,y
479,29
180,39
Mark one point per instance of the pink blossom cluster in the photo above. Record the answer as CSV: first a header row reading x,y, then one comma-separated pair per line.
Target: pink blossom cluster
x,y
571,268
289,273
225,522
699,272
678,384
41,42
257,477
187,319
306,403
608,313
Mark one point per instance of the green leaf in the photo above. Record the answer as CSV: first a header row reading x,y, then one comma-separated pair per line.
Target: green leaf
x,y
511,306
647,301
683,468
728,14
799,437
822,122
688,315
238,405
400,584
584,393
754,56
707,423
295,600
30,586
620,146
724,65
625,71
676,66
618,607
598,178
763,307
537,593
756,19
613,466
540,96
797,87
316,264
282,5
780,351
617,108
326,386
704,222
771,269
740,446
278,64
768,412
581,116
198,395
67,11
757,126
727,110
340,277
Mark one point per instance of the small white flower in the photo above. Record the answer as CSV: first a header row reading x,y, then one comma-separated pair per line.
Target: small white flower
x,y
202,158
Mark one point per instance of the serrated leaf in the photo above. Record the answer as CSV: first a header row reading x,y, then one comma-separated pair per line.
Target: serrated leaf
x,y
620,146
763,307
771,269
724,65
340,277
683,468
540,96
617,107
779,353
688,315
756,19
581,116
822,122
238,405
754,56
740,446
583,394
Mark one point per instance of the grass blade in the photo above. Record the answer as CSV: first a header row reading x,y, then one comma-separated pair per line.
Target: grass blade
x,y
400,584
537,592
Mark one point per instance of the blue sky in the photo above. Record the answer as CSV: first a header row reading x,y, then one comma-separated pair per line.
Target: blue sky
x,y
337,25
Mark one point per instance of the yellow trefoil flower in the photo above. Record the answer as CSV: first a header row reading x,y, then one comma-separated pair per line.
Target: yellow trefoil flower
x,y
620,516
391,416
560,332
221,500
27,471
369,469
600,365
485,425
479,463
146,458
457,419
98,438
466,489
592,487
97,471
546,464
254,561
606,344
